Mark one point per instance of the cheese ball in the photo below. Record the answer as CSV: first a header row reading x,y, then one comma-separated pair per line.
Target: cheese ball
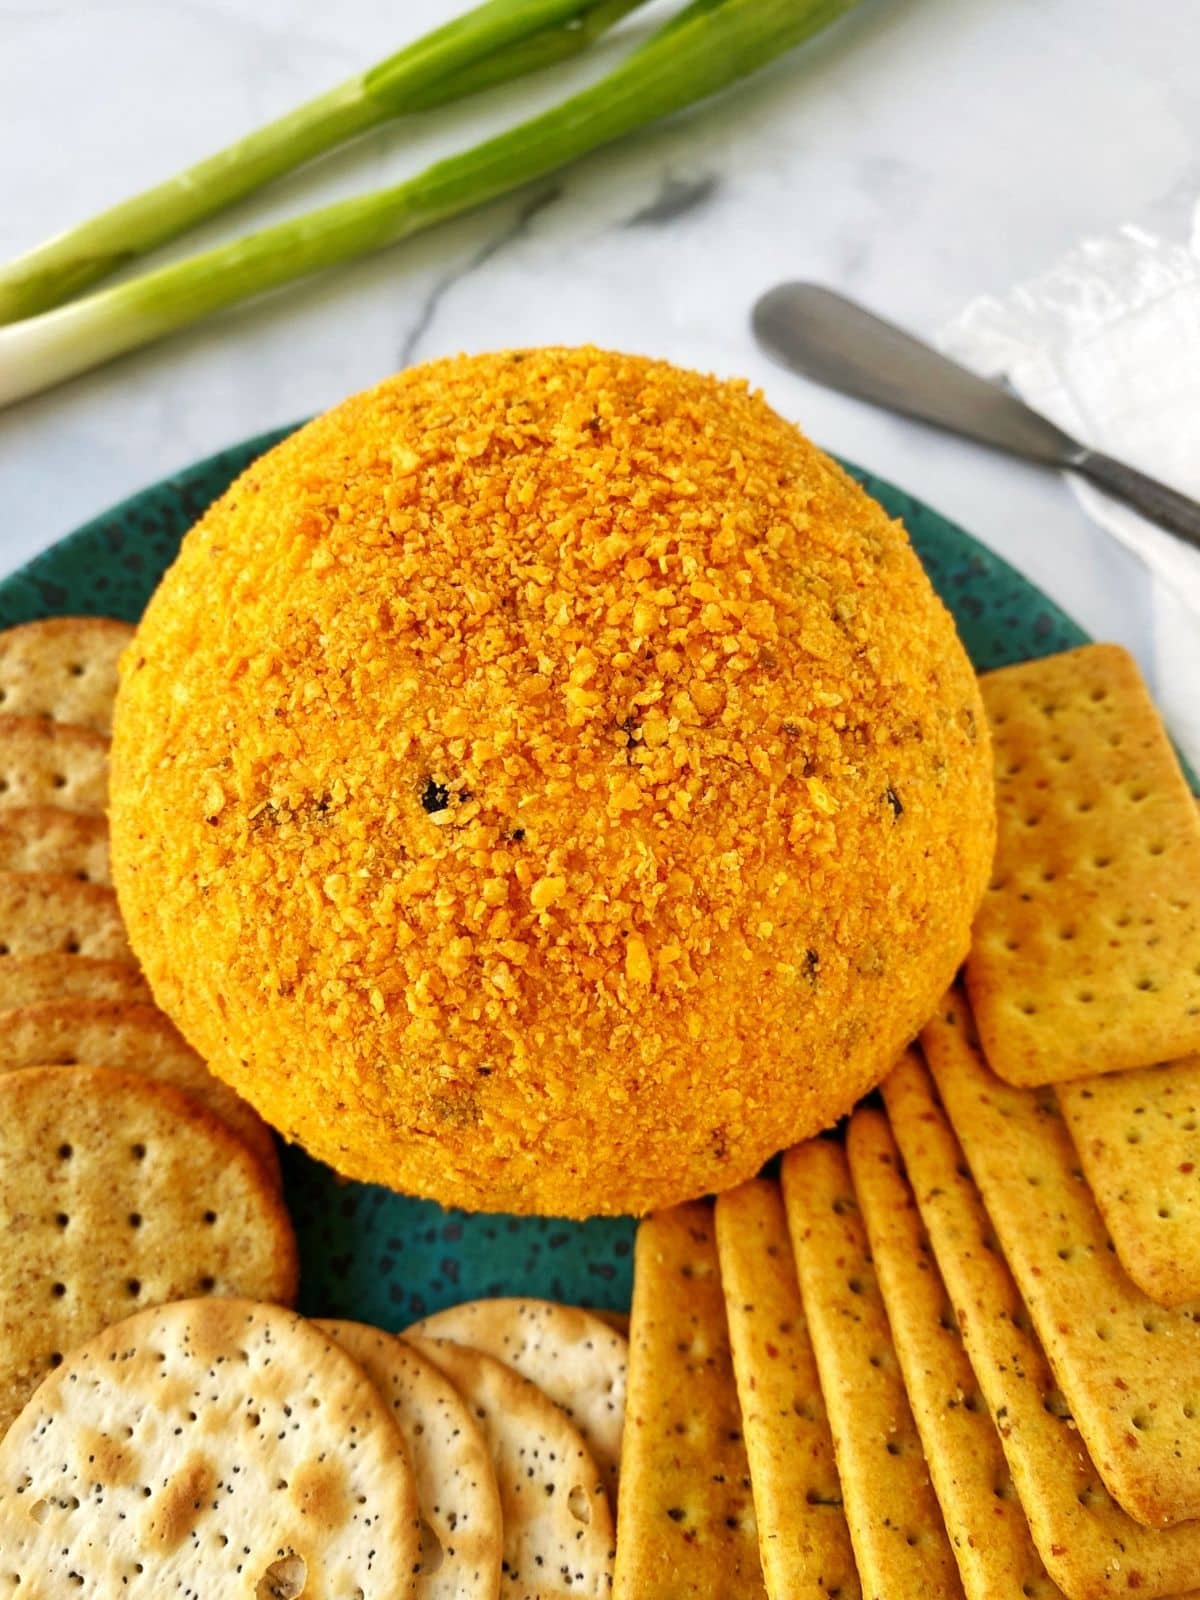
x,y
548,783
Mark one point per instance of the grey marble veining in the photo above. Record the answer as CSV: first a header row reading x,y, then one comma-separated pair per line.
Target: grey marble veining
x,y
921,153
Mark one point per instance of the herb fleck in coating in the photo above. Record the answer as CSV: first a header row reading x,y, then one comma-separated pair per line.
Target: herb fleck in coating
x,y
547,783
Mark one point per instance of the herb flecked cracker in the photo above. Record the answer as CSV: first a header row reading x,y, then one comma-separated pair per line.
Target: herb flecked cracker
x,y
1138,1138
570,1354
1091,1548
127,1038
63,668
462,1534
558,1528
27,980
802,1534
44,913
895,1522
1086,951
48,839
211,1447
1130,1369
686,1523
988,1531
116,1193
52,764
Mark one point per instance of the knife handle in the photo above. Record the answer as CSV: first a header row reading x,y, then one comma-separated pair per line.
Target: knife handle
x,y
1155,500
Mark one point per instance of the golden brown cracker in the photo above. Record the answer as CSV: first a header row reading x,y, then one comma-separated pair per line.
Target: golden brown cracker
x,y
1121,1361
116,1192
1138,1139
1086,951
26,980
127,1038
462,1535
52,764
577,1360
48,839
1091,1548
988,1531
686,1525
802,1534
44,913
558,1528
895,1522
211,1447
63,668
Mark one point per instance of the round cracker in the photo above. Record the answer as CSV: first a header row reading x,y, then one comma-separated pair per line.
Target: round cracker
x,y
63,668
558,1526
117,1192
52,764
128,1038
45,913
212,1447
572,1355
26,980
456,1484
48,839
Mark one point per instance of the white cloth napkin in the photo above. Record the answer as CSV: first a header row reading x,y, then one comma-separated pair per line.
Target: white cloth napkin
x,y
1107,344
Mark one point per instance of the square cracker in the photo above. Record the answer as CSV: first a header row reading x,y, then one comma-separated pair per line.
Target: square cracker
x,y
895,1522
45,913
992,1543
64,668
1138,1138
1091,1548
1086,953
1129,1369
52,764
802,1534
685,1525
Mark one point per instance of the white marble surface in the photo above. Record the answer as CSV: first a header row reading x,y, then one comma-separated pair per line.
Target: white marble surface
x,y
922,153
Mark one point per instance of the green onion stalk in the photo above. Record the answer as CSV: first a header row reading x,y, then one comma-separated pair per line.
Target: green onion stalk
x,y
709,45
493,44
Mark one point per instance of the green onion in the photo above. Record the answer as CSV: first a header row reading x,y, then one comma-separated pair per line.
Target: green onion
x,y
711,44
497,41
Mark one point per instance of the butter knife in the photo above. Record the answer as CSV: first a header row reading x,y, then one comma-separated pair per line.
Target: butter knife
x,y
835,342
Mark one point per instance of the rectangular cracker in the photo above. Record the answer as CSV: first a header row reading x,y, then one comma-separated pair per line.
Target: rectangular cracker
x,y
64,668
48,839
1091,1548
1086,951
1138,1139
52,764
989,1533
685,1525
1130,1370
895,1523
802,1534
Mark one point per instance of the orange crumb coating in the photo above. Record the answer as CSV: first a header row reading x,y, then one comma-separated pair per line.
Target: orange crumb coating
x,y
547,782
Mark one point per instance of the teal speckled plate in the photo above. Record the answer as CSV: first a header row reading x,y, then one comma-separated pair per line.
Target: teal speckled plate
x,y
366,1252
